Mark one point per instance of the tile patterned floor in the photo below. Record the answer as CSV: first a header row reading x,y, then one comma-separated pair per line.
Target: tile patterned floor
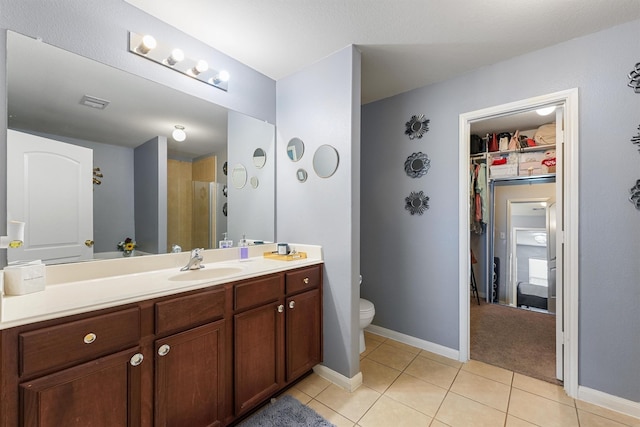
x,y
407,386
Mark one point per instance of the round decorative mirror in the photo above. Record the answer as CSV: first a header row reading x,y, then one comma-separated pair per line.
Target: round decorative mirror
x,y
417,126
254,182
301,174
325,161
417,165
259,158
416,203
295,149
239,176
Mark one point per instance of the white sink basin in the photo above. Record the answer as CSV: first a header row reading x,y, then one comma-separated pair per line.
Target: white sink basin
x,y
205,273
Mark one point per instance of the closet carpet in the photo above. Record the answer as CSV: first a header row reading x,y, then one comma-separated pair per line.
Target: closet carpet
x,y
519,340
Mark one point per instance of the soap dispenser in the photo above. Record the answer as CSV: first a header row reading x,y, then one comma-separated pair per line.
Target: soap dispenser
x,y
244,248
225,242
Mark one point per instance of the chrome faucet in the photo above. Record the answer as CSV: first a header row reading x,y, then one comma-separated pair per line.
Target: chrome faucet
x,y
194,261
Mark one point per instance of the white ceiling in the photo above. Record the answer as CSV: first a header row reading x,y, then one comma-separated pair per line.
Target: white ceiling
x,y
405,44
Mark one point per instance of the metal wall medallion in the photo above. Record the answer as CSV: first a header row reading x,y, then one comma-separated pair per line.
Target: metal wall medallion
x,y
634,78
417,165
417,126
417,203
635,195
636,139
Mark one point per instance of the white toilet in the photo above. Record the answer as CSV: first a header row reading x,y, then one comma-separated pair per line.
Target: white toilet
x,y
367,311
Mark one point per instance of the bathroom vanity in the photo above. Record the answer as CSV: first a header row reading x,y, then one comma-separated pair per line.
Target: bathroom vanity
x,y
202,351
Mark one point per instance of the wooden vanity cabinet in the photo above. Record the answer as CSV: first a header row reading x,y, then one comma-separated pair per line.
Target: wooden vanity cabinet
x,y
189,364
198,358
277,333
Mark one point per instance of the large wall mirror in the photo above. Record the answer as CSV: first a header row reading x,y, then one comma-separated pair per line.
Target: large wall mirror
x,y
58,95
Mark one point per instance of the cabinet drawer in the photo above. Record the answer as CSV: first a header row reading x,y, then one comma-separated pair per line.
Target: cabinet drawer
x,y
78,341
191,310
256,292
300,280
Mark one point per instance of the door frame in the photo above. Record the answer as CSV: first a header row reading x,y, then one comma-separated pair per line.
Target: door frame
x,y
568,152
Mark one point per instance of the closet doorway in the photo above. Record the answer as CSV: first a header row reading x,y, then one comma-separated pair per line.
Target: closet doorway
x,y
565,216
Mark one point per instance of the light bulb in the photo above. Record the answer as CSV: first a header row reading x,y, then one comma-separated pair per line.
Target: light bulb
x,y
546,110
176,56
179,134
200,67
148,43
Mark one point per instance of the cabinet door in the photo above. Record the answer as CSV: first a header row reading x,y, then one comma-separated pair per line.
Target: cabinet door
x,y
189,377
104,392
303,333
258,354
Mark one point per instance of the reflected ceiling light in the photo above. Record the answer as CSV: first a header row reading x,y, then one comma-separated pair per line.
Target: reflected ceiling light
x,y
200,67
179,134
220,77
540,238
147,44
546,110
176,56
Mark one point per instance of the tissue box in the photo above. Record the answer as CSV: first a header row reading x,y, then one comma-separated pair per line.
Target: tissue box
x,y
21,279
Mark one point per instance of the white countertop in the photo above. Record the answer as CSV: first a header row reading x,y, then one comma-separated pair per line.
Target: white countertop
x,y
88,286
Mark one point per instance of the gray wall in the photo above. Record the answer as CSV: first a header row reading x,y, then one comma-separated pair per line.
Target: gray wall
x,y
325,211
150,194
410,263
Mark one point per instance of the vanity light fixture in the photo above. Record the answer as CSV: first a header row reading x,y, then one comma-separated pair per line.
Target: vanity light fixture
x,y
179,134
545,111
174,58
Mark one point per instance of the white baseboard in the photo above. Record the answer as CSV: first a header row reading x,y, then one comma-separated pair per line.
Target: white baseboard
x,y
618,404
416,342
349,384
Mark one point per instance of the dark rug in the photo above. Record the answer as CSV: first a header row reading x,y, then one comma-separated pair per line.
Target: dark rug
x,y
286,411
519,340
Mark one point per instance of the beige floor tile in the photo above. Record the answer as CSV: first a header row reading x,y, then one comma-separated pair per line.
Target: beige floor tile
x,y
436,423
488,371
373,337
587,419
376,375
542,388
406,347
541,411
302,397
517,422
392,357
607,413
458,411
489,392
312,385
371,342
330,415
388,412
417,394
431,371
442,359
351,405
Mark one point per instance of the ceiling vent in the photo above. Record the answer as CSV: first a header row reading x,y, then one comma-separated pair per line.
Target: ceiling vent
x,y
93,102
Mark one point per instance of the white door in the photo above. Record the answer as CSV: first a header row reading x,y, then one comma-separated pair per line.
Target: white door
x,y
49,187
556,244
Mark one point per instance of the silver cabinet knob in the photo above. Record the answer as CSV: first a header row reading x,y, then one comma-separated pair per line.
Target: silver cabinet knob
x,y
89,338
164,349
136,359
292,304
280,308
